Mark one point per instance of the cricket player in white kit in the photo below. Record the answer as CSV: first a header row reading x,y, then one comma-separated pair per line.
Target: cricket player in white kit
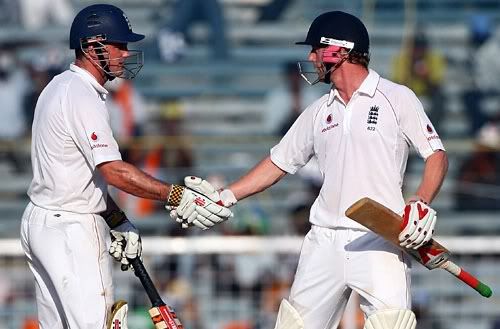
x,y
74,158
360,133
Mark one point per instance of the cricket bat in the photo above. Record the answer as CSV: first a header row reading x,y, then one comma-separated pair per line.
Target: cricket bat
x,y
162,315
386,223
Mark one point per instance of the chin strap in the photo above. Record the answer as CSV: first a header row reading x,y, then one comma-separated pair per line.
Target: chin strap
x,y
326,76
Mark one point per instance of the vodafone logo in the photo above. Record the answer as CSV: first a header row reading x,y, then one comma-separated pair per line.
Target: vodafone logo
x,y
429,129
329,119
96,140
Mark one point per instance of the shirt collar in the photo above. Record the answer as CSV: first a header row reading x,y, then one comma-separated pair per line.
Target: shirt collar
x,y
89,78
368,87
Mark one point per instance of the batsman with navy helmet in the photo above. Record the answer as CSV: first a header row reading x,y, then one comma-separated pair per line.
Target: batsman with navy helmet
x,y
74,158
360,134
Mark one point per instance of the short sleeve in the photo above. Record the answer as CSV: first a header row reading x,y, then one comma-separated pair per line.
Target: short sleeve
x,y
297,146
416,127
88,121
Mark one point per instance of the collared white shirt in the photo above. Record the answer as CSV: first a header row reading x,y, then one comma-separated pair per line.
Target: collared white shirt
x,y
361,147
71,135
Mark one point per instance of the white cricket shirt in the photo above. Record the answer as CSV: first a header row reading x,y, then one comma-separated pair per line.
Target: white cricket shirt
x,y
361,147
71,135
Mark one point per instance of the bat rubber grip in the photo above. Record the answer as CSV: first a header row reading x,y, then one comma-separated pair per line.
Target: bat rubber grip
x,y
147,283
468,278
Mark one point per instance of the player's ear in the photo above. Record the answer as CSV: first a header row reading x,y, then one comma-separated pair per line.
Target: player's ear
x,y
90,52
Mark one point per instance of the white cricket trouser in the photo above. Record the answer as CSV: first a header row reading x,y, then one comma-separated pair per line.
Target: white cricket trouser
x,y
68,256
334,262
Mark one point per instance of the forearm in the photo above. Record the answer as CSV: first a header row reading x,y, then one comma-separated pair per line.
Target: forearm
x,y
259,178
130,179
435,170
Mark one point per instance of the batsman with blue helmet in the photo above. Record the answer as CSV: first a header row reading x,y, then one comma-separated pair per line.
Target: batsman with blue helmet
x,y
74,158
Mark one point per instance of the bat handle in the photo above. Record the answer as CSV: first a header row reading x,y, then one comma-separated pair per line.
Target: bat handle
x,y
468,278
147,283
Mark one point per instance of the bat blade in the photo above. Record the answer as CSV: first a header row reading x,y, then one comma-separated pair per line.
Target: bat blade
x,y
386,223
162,315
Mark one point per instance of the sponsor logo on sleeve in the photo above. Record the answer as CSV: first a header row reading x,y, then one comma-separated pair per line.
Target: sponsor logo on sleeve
x,y
94,140
431,132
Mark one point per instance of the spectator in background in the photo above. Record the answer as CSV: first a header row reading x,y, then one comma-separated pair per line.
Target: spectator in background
x,y
422,69
172,38
13,87
484,70
480,29
478,181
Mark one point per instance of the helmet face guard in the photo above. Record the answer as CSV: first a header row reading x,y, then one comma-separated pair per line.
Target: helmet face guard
x,y
125,67
330,58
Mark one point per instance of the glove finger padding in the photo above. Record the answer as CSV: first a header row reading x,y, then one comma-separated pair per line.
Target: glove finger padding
x,y
426,234
205,221
218,210
116,249
209,216
417,225
187,205
200,225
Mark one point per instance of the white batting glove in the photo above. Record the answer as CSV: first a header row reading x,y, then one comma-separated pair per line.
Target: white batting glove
x,y
198,203
125,243
417,226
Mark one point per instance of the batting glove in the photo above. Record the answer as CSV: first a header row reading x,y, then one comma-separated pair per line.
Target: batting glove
x,y
197,203
417,226
125,243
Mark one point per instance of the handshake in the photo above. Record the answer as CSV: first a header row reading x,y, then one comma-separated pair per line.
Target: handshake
x,y
199,204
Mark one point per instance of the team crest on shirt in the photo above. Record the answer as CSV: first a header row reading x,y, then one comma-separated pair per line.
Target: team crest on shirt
x,y
372,117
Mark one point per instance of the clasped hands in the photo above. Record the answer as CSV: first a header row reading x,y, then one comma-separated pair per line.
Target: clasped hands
x,y
199,204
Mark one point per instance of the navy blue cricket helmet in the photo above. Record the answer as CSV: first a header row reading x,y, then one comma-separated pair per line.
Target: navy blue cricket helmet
x,y
338,26
103,20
